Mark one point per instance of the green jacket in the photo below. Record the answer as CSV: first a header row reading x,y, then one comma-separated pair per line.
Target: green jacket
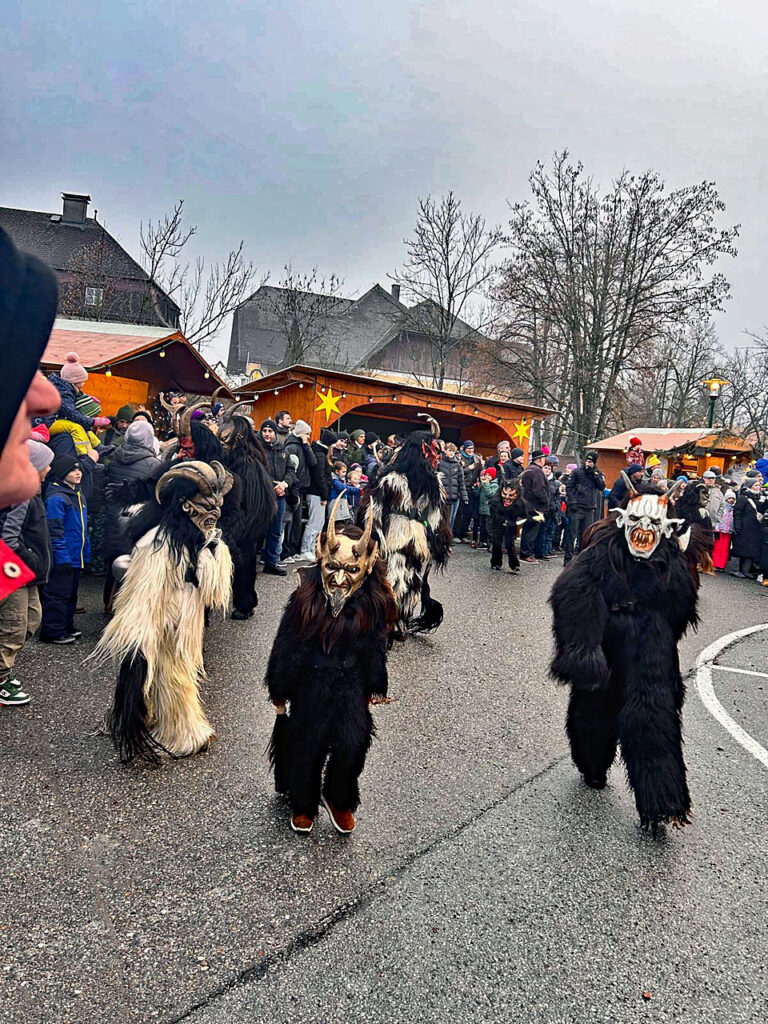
x,y
487,491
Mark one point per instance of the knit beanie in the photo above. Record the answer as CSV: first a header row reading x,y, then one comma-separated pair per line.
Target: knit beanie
x,y
467,444
72,371
61,465
140,433
140,414
635,442
729,494
516,453
571,466
371,437
88,405
125,412
633,469
490,470
301,427
40,455
272,424
356,434
343,436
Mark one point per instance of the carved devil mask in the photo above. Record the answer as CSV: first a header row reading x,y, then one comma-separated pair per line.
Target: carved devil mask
x,y
204,507
344,558
645,521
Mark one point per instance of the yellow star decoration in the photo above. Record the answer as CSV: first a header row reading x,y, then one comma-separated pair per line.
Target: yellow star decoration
x,y
328,404
522,431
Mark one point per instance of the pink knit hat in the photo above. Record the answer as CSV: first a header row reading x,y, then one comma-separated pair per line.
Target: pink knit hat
x,y
72,371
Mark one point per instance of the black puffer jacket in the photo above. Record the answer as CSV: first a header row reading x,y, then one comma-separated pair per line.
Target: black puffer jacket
x,y
277,463
452,473
67,409
585,488
24,528
322,473
307,461
130,479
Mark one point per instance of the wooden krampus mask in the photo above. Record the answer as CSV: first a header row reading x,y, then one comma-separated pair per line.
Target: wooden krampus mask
x,y
345,560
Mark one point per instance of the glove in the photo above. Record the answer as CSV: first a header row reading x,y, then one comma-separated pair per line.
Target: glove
x,y
539,517
279,707
101,421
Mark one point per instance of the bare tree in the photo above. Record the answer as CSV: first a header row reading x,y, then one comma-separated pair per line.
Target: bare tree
x,y
205,297
307,307
745,398
447,269
88,290
607,274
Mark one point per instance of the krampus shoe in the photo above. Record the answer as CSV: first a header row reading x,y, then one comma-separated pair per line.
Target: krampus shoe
x,y
342,821
301,823
596,781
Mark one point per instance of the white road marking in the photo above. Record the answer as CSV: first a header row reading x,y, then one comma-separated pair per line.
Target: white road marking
x,y
709,699
741,671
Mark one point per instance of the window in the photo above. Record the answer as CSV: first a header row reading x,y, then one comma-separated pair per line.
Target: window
x,y
94,296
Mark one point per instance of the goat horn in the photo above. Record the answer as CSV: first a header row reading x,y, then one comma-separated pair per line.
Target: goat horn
x,y
186,417
362,544
434,425
166,405
632,491
199,472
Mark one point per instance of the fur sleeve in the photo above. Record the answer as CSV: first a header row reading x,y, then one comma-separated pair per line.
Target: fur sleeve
x,y
283,666
214,574
377,666
580,616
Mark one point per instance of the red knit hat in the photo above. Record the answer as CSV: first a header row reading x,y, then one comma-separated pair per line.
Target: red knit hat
x,y
41,433
491,471
635,442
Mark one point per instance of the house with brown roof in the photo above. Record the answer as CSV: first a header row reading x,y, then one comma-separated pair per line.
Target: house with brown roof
x,y
98,279
688,450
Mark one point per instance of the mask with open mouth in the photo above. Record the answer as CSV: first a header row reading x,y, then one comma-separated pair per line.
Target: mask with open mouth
x,y
345,560
645,521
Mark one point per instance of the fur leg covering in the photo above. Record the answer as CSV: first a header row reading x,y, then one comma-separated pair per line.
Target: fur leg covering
x,y
592,728
431,612
350,740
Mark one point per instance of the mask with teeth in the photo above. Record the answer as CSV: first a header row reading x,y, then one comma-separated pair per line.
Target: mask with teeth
x,y
645,520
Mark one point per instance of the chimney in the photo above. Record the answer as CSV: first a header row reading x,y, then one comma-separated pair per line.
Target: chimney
x,y
396,292
75,208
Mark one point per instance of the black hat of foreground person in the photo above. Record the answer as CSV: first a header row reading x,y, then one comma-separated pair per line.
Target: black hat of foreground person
x,y
28,298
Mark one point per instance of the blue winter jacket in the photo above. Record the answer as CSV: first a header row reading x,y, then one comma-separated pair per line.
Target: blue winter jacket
x,y
67,515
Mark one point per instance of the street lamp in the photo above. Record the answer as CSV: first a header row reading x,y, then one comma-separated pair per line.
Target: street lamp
x,y
714,387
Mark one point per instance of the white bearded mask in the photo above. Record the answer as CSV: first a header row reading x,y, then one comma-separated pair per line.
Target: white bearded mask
x,y
645,521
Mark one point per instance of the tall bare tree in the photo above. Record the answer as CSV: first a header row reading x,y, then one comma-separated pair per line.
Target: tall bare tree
x,y
205,296
608,273
307,308
447,270
744,401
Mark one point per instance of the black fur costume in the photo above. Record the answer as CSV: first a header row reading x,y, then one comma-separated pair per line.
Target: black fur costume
x,y
504,520
411,523
691,507
327,669
248,508
617,622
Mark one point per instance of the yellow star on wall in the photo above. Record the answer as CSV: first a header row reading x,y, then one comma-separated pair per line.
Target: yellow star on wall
x,y
328,404
522,431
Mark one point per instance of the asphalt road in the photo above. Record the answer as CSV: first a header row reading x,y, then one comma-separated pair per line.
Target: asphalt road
x,y
483,883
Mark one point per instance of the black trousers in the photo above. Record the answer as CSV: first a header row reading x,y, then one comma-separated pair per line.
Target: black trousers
x,y
581,518
510,535
528,538
59,600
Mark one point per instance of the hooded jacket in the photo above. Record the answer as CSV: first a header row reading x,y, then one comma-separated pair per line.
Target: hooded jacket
x,y
67,515
585,488
24,528
452,473
307,461
68,410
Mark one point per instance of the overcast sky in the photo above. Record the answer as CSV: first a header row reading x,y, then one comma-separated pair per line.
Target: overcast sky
x,y
311,128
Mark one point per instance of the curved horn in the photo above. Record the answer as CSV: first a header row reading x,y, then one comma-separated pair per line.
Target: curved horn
x,y
224,477
215,394
632,491
199,473
362,544
186,417
332,542
433,424
166,405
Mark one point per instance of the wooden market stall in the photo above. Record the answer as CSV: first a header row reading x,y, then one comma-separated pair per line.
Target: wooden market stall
x,y
690,451
343,401
130,362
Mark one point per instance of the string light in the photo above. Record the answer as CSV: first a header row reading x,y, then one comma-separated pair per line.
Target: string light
x,y
429,405
476,412
369,398
453,408
277,391
499,420
162,353
109,372
301,385
343,394
323,388
394,398
206,375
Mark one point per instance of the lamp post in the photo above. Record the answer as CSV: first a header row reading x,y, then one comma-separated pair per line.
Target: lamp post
x,y
714,387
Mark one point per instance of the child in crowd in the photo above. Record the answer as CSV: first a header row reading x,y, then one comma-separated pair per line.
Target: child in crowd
x,y
338,486
67,515
354,489
24,529
487,486
723,531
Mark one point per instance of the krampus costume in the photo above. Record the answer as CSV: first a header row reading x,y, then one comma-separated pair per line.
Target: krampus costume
x,y
411,523
178,568
620,609
328,661
691,508
507,513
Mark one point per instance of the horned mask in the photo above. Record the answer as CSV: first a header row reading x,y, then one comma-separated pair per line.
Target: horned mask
x,y
344,559
645,520
204,507
431,449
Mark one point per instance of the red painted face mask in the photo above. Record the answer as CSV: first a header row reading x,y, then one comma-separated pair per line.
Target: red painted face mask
x,y
431,452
